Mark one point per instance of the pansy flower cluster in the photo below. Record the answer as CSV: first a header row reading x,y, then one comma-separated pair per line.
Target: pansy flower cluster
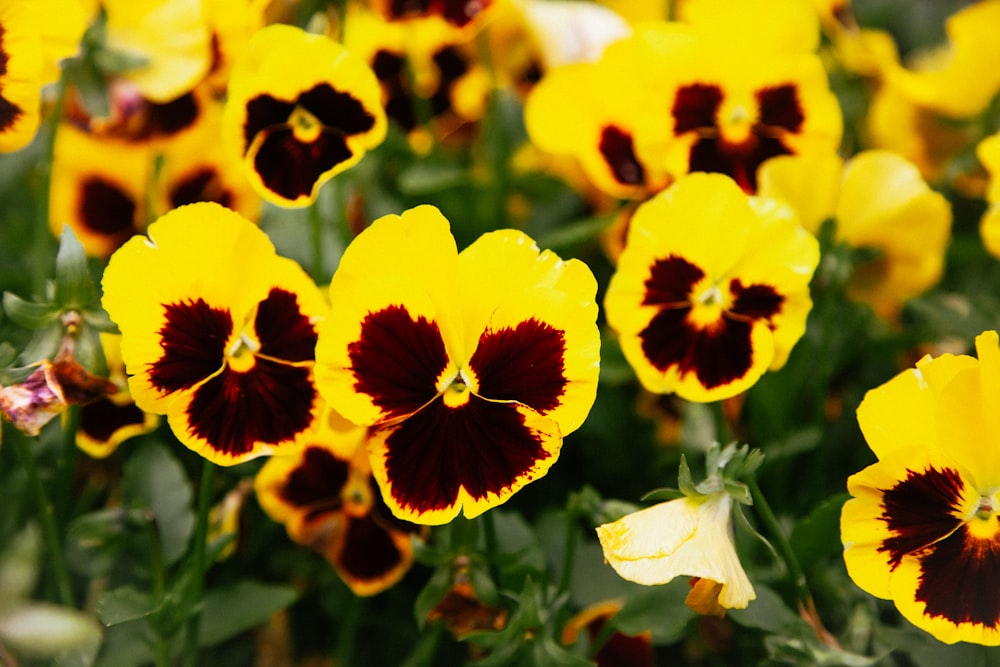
x,y
404,278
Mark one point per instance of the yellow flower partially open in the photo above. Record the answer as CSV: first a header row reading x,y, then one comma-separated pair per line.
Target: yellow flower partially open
x,y
690,536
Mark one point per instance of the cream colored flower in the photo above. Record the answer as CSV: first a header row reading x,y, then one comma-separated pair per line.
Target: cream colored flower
x,y
689,536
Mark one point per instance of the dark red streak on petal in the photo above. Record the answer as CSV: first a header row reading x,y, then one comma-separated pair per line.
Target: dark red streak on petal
x,y
271,403
696,107
204,184
106,209
618,152
264,112
290,168
194,340
960,579
316,484
671,282
368,552
9,112
739,161
920,510
452,66
101,419
717,355
779,108
524,363
481,446
283,329
756,302
337,110
397,360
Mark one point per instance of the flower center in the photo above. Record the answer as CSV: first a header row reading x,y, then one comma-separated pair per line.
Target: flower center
x,y
357,496
985,524
305,126
737,123
240,353
707,304
458,392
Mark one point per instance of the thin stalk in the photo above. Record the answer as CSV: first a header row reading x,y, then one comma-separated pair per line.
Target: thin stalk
x,y
316,224
763,510
50,531
348,632
569,553
492,545
42,239
158,572
66,466
200,537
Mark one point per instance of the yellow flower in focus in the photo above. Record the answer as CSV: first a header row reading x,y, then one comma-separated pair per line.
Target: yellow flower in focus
x,y
301,109
689,536
219,334
923,526
879,202
712,288
471,367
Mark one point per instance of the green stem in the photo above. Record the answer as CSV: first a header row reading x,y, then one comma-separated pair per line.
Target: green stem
x,y
348,632
66,467
494,142
159,585
569,553
46,515
316,223
767,516
42,241
492,546
200,537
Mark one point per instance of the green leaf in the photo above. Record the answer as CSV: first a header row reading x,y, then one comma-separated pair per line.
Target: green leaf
x,y
29,314
768,612
659,609
230,611
94,541
153,479
74,284
124,604
817,536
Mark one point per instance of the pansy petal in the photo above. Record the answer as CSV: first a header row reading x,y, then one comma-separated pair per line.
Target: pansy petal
x,y
533,316
444,460
369,558
810,183
968,423
299,488
21,74
172,37
106,423
903,411
300,109
885,204
393,330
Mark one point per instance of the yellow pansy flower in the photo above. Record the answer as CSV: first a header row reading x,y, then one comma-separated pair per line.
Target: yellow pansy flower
x,y
471,367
